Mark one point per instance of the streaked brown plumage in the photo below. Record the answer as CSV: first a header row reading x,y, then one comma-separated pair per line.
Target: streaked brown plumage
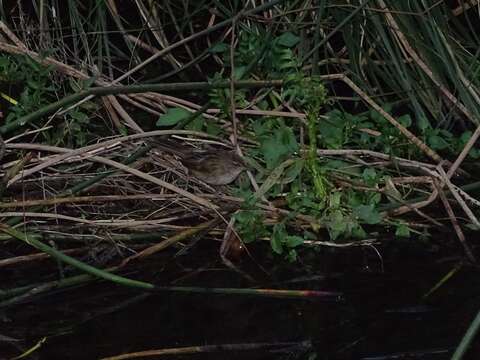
x,y
213,166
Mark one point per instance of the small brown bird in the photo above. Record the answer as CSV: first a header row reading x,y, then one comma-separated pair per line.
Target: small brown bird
x,y
213,166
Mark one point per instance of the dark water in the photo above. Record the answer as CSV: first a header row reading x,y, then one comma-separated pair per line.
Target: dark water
x,y
382,315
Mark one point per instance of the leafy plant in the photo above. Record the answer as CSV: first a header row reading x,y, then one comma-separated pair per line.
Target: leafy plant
x,y
33,79
277,142
282,242
37,90
250,224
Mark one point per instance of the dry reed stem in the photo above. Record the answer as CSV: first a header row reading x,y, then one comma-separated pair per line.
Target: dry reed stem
x,y
446,181
286,114
48,61
124,115
119,224
377,154
37,256
185,234
85,199
464,6
456,226
137,42
140,106
149,14
111,112
12,36
421,204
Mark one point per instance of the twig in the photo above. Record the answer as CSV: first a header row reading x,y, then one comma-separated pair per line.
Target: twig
x,y
84,199
456,226
210,349
185,234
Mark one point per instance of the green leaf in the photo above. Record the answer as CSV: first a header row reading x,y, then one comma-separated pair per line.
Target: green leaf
x,y
219,48
405,120
423,123
437,143
278,146
89,82
34,85
465,137
379,118
332,131
286,137
239,72
335,199
212,128
474,153
249,223
292,255
293,171
288,39
354,198
374,198
344,166
336,224
402,230
368,214
447,135
272,152
370,176
358,232
293,241
278,238
173,116
79,116
196,124
260,128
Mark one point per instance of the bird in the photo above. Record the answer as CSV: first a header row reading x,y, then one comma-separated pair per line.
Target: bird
x,y
212,166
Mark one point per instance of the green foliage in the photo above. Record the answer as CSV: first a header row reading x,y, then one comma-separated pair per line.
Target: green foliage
x,y
78,126
273,57
462,141
284,169
173,116
277,142
342,225
220,98
311,94
34,80
367,131
187,120
37,89
250,224
342,213
372,131
304,201
443,140
402,230
367,213
308,93
282,242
